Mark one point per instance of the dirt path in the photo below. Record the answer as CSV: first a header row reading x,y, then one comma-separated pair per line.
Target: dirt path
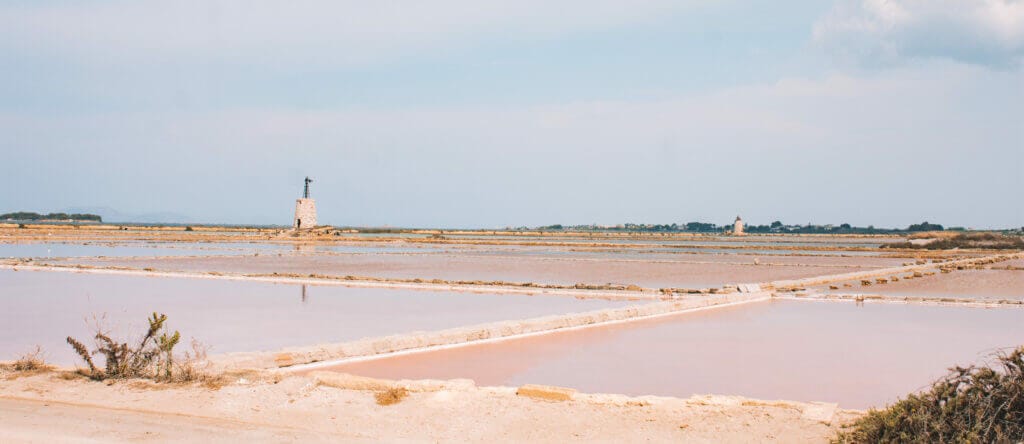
x,y
30,420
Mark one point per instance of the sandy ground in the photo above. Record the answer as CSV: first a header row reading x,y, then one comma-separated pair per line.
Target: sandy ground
x,y
44,408
694,272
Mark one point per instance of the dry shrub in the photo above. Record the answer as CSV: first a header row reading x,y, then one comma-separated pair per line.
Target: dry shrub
x,y
152,357
392,395
972,404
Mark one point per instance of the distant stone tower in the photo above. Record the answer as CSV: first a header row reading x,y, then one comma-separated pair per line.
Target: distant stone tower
x,y
737,227
305,210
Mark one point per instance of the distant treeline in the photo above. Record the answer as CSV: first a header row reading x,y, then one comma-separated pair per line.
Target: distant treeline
x,y
26,215
774,227
779,227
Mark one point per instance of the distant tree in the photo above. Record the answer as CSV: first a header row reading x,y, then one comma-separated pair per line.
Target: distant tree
x,y
845,226
701,227
776,224
925,226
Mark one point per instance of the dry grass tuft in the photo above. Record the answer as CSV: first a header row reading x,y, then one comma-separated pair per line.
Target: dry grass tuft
x,y
30,363
73,375
392,395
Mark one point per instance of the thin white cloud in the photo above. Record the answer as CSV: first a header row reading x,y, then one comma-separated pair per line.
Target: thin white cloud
x,y
822,149
985,32
788,110
301,31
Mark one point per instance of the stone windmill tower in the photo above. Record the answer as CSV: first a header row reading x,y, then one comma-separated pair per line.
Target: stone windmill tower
x,y
737,227
305,210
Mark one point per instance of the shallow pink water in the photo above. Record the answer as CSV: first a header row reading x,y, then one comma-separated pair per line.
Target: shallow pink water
x,y
42,308
691,271
858,356
974,284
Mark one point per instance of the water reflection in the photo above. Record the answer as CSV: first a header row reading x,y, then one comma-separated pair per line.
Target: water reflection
x,y
38,307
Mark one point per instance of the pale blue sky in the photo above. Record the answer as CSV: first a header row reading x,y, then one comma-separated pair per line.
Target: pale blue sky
x,y
484,114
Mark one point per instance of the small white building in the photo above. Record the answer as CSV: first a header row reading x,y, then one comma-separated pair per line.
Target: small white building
x,y
305,210
737,227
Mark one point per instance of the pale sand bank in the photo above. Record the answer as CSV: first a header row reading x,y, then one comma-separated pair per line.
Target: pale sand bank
x,y
43,408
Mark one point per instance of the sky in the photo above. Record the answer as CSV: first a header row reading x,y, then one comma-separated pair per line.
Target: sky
x,y
460,113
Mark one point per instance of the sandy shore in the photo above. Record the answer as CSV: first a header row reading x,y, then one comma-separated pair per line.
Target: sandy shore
x,y
45,408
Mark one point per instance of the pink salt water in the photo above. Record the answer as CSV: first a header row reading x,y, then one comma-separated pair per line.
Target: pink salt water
x,y
990,284
691,271
43,308
857,355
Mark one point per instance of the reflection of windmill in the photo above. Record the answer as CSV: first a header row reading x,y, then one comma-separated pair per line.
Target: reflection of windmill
x,y
305,193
